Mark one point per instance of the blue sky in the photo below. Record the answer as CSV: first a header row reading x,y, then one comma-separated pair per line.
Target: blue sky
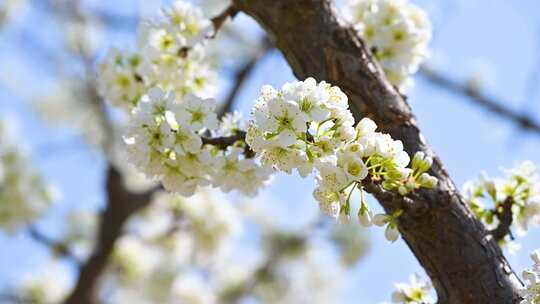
x,y
497,38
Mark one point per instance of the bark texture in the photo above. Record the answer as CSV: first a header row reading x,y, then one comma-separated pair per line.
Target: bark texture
x,y
464,262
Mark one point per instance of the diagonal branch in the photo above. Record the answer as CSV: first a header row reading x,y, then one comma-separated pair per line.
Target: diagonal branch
x,y
121,202
504,214
276,253
497,107
242,75
225,141
121,205
219,20
450,243
56,247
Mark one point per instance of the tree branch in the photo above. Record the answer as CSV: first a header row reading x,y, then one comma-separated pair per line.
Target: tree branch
x,y
121,205
225,141
522,120
220,19
56,247
505,220
242,75
267,268
464,265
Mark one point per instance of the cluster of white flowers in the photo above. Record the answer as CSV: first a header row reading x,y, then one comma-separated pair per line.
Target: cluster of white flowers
x,y
184,249
391,232
295,127
304,126
307,125
416,291
24,195
303,279
531,292
396,31
79,235
166,140
165,85
191,288
352,242
165,241
49,284
520,187
171,55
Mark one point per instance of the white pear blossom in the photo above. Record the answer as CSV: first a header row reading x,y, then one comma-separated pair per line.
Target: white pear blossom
x,y
170,54
416,291
80,232
165,141
520,187
307,125
213,220
120,80
365,217
531,276
135,258
391,232
24,195
233,171
302,121
231,123
351,241
48,284
186,22
168,240
196,114
192,289
397,33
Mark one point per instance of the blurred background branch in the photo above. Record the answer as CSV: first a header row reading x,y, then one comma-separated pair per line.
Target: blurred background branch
x,y
242,73
523,121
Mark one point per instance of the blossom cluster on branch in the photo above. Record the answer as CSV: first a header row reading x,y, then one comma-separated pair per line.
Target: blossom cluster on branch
x,y
307,126
174,135
170,139
531,292
183,250
24,195
512,200
397,33
153,261
416,291
47,284
170,54
171,134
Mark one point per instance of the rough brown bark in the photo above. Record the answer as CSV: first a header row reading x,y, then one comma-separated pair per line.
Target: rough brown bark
x,y
464,262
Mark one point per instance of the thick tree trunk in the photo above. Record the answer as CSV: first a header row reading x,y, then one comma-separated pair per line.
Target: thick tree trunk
x,y
465,264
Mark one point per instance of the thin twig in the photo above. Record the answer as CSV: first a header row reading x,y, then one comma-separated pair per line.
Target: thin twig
x,y
15,299
268,267
121,205
523,120
242,75
505,220
225,141
219,20
59,248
